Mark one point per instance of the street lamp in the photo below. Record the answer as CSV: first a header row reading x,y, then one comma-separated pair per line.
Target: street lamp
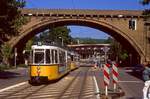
x,y
62,41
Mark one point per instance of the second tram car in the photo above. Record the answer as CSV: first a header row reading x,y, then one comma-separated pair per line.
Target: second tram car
x,y
74,60
48,63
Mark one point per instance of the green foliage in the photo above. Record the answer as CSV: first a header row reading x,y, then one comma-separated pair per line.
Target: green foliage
x,y
117,51
55,35
145,2
10,23
29,44
59,33
10,16
146,13
123,55
3,67
22,65
6,52
109,40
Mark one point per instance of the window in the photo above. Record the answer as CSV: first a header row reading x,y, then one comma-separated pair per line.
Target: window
x,y
132,24
39,57
72,58
47,56
52,53
54,56
62,57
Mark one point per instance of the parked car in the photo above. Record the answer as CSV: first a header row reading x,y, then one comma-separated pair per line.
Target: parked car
x,y
138,68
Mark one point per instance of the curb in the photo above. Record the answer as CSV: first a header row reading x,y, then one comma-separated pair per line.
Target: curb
x,y
112,94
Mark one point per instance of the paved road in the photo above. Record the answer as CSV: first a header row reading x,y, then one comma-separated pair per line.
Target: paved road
x,y
78,84
13,76
131,85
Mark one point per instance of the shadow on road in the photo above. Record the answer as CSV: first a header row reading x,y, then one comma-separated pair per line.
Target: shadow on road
x,y
7,75
137,75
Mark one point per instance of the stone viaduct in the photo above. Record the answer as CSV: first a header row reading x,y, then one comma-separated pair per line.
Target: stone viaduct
x,y
126,26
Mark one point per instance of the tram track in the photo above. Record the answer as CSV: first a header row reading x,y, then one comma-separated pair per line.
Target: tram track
x,y
76,85
81,87
83,84
14,92
34,92
68,86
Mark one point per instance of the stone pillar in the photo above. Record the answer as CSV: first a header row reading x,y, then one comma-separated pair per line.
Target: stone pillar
x,y
147,32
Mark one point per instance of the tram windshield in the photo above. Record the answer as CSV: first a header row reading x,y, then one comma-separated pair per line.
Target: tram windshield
x,y
39,57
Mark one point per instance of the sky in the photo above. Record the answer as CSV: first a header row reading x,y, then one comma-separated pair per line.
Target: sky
x,y
80,31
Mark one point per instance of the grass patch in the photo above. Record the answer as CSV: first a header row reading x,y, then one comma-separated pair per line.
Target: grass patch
x,y
22,65
3,67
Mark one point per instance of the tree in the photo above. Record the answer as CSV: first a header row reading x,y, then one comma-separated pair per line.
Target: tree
x,y
145,2
59,33
10,23
29,44
115,49
146,12
55,35
123,55
109,40
10,17
6,52
118,53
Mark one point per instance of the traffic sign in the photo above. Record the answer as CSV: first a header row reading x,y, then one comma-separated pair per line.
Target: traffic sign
x,y
105,49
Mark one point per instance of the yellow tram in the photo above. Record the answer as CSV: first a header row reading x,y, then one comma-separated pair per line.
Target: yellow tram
x,y
48,63
74,60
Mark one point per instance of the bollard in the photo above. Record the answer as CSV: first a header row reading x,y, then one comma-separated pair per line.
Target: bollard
x,y
115,75
106,77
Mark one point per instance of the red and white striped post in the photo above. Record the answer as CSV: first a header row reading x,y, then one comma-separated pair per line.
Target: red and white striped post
x,y
106,77
115,75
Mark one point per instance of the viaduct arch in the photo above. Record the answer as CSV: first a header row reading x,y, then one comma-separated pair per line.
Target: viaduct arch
x,y
115,23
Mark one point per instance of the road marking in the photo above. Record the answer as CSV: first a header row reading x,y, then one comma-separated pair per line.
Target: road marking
x,y
128,70
97,89
130,81
13,86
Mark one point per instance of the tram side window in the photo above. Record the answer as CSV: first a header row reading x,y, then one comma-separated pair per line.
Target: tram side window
x,y
47,56
39,57
52,52
72,58
56,57
62,57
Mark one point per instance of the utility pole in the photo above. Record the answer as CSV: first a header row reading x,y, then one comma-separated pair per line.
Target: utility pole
x,y
15,51
62,41
105,50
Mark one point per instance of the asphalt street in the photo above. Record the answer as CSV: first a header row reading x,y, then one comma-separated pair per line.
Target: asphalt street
x,y
131,85
13,76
